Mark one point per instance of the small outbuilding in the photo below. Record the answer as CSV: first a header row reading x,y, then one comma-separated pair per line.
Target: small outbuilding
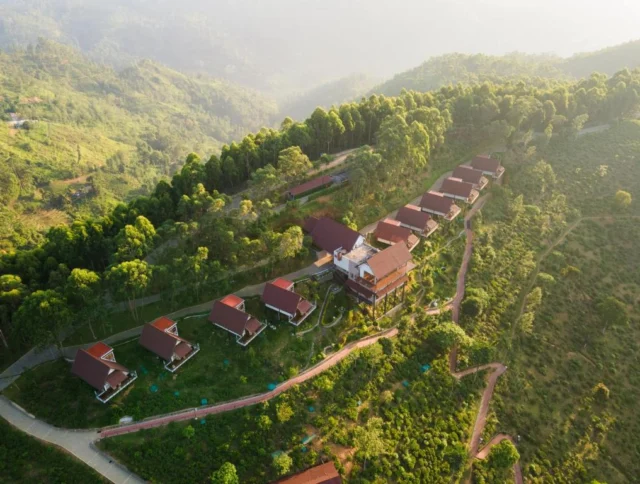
x,y
413,218
228,314
279,296
98,367
321,474
437,204
161,337
391,232
459,190
488,166
470,175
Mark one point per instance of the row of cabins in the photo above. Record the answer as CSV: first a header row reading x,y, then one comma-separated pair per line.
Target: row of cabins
x,y
98,367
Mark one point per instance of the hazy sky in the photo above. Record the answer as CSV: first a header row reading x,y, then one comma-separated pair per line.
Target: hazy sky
x,y
387,35
296,44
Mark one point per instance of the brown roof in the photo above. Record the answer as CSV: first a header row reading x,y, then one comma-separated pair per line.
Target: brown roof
x,y
311,185
467,174
392,232
163,323
160,342
116,378
99,349
228,317
94,370
283,283
412,215
455,186
253,325
485,163
182,349
232,300
330,235
436,202
368,293
309,224
280,298
388,260
304,306
322,474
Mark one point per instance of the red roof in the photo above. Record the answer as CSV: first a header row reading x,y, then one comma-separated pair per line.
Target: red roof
x,y
413,216
232,300
455,186
163,323
322,474
162,343
283,283
115,378
182,349
388,260
309,224
311,185
391,231
282,299
485,163
230,318
99,349
436,202
94,370
330,235
467,174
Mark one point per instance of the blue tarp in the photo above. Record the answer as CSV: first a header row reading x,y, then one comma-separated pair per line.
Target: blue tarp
x,y
204,401
153,388
271,386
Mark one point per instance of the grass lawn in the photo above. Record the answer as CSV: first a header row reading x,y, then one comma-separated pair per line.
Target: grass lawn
x,y
222,370
28,460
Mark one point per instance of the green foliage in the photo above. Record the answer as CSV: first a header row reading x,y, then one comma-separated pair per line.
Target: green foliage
x,y
24,459
504,455
188,432
282,463
227,474
623,199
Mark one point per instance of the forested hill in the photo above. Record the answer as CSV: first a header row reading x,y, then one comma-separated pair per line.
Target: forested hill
x,y
95,135
452,68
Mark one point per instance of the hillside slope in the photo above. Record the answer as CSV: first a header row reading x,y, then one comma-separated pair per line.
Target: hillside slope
x,y
452,68
94,135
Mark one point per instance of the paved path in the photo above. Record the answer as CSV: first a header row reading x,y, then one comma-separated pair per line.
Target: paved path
x,y
200,412
79,443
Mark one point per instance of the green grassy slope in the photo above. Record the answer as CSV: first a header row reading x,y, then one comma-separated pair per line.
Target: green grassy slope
x,y
99,136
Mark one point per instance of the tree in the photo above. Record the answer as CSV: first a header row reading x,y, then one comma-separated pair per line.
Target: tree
x,y
504,455
291,243
369,440
623,199
449,334
226,474
264,422
282,463
42,318
83,290
135,241
128,280
12,290
612,312
284,412
188,432
9,188
293,163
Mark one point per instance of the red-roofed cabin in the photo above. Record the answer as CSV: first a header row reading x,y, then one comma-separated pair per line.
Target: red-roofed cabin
x,y
437,204
228,314
322,474
412,217
391,232
310,186
470,175
488,166
161,337
280,297
98,367
459,190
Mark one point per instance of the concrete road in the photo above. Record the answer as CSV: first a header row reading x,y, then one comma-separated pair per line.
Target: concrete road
x,y
77,442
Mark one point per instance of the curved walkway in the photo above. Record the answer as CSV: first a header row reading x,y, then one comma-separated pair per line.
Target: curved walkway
x,y
77,442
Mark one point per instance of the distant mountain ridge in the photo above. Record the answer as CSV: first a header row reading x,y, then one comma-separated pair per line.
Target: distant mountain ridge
x,y
456,67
